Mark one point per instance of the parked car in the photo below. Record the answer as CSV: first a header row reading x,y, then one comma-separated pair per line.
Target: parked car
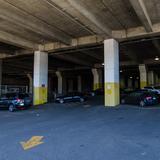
x,y
142,98
14,101
71,97
153,88
125,92
99,91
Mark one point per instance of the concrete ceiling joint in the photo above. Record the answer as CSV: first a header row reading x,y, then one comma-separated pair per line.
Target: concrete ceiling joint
x,y
83,10
141,11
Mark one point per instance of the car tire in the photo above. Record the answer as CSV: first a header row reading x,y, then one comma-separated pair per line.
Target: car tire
x,y
92,94
122,101
142,104
61,101
81,100
11,108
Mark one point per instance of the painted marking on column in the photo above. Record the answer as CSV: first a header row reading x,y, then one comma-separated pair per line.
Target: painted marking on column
x,y
32,142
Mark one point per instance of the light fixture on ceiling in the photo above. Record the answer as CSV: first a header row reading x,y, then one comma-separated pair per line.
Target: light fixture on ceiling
x,y
102,64
156,58
131,77
120,71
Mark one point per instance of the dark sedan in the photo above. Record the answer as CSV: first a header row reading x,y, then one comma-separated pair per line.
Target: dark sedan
x,y
14,101
141,98
71,97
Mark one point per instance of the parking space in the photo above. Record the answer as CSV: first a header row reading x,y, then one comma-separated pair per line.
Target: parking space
x,y
89,69
126,132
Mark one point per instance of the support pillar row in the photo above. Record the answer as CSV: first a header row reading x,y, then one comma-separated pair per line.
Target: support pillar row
x,y
97,78
60,82
111,69
143,75
40,77
79,84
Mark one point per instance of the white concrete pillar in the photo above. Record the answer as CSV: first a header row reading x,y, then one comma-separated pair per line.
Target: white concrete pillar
x,y
143,75
40,77
30,83
150,77
111,69
79,84
60,82
96,82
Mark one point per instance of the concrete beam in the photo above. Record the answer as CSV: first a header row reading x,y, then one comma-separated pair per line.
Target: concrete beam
x,y
76,42
142,13
83,10
136,32
72,59
17,41
31,22
97,56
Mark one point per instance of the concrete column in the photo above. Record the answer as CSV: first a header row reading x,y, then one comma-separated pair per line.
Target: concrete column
x,y
156,79
143,75
100,78
96,82
150,77
136,83
79,84
70,85
130,84
60,82
40,77
30,83
111,69
122,83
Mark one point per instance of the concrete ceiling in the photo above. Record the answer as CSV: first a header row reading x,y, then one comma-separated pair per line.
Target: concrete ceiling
x,y
65,27
34,22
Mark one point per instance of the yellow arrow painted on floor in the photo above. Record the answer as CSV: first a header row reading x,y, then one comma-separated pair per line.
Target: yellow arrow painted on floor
x,y
33,142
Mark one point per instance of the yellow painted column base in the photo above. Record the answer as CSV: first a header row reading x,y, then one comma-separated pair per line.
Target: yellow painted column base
x,y
97,86
40,95
143,84
112,95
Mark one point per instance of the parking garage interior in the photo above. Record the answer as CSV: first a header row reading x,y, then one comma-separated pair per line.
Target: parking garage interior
x,y
50,48
59,47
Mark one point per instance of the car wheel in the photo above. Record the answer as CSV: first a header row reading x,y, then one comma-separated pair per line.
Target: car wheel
x,y
61,101
123,101
81,100
11,107
92,94
142,104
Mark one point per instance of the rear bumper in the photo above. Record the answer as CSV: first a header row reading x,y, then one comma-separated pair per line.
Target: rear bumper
x,y
152,103
22,106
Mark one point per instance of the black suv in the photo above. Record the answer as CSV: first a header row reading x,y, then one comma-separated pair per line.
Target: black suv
x,y
13,101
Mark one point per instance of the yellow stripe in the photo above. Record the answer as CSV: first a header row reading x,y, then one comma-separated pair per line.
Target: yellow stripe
x,y
112,95
40,95
97,86
143,84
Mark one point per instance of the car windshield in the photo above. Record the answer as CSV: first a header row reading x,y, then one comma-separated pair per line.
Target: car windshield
x,y
148,88
21,96
157,87
11,95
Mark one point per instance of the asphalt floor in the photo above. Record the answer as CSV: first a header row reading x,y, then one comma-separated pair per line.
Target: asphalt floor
x,y
78,131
